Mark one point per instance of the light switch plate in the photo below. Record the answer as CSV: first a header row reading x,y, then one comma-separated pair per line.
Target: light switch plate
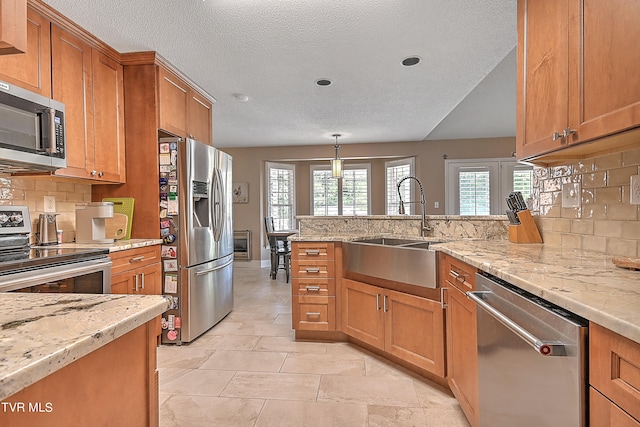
x,y
634,197
571,195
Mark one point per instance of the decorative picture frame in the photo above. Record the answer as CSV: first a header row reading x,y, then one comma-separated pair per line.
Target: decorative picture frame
x,y
240,192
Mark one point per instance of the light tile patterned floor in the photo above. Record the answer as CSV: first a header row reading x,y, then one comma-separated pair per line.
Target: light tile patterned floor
x,y
249,371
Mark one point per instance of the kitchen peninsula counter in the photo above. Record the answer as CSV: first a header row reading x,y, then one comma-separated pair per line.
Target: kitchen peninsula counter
x,y
44,333
584,282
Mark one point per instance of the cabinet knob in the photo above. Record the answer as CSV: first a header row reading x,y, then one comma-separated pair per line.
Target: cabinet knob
x,y
93,173
567,132
101,174
557,135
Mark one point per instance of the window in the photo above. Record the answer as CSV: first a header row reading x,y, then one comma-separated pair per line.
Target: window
x,y
480,186
281,195
395,171
346,196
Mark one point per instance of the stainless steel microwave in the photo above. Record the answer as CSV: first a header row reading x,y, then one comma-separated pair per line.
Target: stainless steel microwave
x,y
32,131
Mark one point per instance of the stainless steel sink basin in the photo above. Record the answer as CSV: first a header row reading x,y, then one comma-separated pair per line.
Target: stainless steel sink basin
x,y
400,260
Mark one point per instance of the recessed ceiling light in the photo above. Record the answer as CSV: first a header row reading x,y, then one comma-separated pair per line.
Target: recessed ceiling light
x,y
241,97
323,82
412,60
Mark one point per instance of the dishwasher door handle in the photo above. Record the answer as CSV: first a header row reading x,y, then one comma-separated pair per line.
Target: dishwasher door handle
x,y
545,348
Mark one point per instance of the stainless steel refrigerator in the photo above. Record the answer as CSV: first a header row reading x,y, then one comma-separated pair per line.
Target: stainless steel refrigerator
x,y
196,225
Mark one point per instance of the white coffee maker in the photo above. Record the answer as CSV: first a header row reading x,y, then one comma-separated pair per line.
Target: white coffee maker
x,y
90,222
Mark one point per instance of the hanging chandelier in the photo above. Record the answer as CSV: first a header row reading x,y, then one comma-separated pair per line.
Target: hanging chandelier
x,y
337,162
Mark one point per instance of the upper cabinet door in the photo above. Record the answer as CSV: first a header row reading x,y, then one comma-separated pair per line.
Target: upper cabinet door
x,y
199,115
108,118
174,100
31,70
13,26
543,73
605,62
71,78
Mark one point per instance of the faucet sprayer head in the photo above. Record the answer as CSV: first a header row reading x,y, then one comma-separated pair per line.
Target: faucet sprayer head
x,y
401,208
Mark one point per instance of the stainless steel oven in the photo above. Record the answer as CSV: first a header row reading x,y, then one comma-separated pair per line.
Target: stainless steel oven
x,y
57,270
47,269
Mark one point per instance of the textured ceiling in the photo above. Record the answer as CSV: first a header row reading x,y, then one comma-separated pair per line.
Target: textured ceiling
x,y
273,51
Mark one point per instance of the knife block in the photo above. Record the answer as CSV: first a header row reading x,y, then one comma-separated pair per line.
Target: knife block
x,y
525,232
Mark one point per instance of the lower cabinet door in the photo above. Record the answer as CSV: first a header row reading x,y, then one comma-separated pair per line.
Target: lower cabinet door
x,y
363,314
414,330
462,352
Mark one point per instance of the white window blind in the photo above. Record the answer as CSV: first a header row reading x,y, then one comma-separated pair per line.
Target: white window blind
x,y
474,191
395,171
281,195
346,196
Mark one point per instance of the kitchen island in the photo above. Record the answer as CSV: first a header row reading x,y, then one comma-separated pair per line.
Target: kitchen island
x,y
79,359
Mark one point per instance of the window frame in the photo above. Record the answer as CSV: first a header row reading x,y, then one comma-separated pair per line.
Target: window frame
x,y
350,166
500,181
410,207
278,221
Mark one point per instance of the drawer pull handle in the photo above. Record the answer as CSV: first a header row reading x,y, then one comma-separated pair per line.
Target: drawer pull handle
x,y
312,270
312,251
459,277
137,258
313,314
313,288
443,304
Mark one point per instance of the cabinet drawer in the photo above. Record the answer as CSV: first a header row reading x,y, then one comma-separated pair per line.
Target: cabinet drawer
x,y
134,258
313,251
604,413
314,316
614,368
314,286
313,269
459,274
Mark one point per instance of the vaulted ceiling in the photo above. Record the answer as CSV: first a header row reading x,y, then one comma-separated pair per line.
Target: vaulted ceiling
x,y
274,51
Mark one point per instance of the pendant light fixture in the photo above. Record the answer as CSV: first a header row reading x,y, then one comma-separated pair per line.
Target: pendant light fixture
x,y
337,163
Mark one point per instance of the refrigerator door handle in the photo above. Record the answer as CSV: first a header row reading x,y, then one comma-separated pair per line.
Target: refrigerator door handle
x,y
217,206
211,270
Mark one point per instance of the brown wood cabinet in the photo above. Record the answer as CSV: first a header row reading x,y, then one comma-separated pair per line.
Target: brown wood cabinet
x,y
614,376
564,104
137,271
182,111
143,106
406,326
31,70
116,384
457,277
90,85
313,286
13,26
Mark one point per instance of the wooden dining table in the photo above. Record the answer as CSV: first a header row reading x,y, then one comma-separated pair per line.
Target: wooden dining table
x,y
274,237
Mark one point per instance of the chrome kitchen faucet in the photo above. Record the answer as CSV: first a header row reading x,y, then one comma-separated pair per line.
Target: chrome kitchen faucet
x,y
401,211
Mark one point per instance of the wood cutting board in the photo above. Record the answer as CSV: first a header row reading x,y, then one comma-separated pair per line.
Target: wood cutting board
x,y
625,262
116,227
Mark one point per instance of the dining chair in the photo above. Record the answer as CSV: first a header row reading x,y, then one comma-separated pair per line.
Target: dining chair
x,y
280,252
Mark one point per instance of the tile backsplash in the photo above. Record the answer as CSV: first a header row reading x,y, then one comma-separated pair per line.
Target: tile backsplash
x,y
605,221
30,191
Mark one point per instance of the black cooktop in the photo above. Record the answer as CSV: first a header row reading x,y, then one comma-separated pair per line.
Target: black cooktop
x,y
21,259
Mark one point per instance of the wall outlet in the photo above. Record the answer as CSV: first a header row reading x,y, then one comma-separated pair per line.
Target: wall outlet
x,y
436,205
571,195
634,197
49,203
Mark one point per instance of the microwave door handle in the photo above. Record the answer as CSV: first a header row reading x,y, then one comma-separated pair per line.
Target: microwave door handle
x,y
52,132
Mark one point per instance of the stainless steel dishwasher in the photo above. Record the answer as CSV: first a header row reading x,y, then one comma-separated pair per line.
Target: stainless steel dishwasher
x,y
532,364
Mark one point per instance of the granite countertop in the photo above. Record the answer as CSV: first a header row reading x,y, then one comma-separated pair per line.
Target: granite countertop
x,y
41,333
118,245
586,283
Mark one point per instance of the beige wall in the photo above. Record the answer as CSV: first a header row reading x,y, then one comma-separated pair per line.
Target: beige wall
x,y
249,166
